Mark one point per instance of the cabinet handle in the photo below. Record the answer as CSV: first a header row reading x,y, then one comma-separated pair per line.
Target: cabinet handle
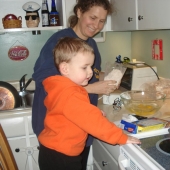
x,y
104,163
17,150
130,19
140,17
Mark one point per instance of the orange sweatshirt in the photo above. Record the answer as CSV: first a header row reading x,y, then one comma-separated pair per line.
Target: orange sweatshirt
x,y
70,117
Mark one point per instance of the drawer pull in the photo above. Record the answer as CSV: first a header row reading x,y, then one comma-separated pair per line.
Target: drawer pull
x,y
130,19
104,163
17,150
140,17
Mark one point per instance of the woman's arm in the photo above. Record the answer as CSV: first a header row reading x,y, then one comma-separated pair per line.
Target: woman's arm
x,y
101,87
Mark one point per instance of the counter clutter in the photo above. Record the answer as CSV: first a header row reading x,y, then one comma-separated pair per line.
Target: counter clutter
x,y
142,157
22,137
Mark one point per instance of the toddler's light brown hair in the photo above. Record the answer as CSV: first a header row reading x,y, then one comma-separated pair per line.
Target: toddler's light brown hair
x,y
68,47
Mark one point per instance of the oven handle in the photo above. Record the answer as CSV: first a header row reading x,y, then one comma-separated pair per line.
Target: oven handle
x,y
122,161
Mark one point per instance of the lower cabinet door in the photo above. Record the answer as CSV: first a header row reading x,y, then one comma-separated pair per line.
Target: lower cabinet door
x,y
25,152
102,158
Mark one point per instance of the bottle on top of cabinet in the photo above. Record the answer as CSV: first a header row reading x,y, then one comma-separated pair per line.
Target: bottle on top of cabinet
x,y
54,15
45,14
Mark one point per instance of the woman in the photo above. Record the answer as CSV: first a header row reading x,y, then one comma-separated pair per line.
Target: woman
x,y
89,19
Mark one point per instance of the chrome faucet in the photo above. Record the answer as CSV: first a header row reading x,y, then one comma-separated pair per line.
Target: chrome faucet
x,y
23,92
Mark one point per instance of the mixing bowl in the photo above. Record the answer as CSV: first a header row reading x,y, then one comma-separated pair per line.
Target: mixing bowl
x,y
142,103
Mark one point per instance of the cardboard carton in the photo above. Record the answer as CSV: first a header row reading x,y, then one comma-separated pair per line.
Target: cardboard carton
x,y
144,125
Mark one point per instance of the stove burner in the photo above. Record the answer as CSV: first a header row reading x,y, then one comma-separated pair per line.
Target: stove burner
x,y
163,146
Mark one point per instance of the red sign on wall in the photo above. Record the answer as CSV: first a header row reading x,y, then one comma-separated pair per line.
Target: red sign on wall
x,y
18,53
157,49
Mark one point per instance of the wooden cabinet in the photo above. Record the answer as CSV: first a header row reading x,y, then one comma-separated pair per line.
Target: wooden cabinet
x,y
105,156
140,15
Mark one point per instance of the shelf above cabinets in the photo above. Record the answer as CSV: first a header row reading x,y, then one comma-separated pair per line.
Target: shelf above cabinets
x,y
64,7
30,29
15,7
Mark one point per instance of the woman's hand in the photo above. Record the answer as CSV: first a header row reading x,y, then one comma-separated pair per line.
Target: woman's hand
x,y
102,87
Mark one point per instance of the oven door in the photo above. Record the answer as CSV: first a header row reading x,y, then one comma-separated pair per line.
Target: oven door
x,y
132,157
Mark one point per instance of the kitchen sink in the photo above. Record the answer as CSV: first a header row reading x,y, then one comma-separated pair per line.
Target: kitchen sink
x,y
28,97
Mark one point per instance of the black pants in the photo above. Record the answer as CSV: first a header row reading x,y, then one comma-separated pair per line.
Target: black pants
x,y
52,160
84,156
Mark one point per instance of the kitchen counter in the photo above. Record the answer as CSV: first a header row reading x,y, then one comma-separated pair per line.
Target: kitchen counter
x,y
111,114
114,116
20,120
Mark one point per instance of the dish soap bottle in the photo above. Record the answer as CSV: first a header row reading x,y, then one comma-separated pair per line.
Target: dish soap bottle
x,y
54,15
45,14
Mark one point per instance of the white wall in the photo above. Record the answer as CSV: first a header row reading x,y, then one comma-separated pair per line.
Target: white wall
x,y
14,70
135,44
117,43
142,49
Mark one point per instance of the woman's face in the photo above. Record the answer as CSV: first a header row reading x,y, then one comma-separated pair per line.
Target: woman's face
x,y
91,22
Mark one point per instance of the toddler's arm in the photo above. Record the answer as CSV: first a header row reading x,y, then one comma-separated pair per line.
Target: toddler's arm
x,y
132,139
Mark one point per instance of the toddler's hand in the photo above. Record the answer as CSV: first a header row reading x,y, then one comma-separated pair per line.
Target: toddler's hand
x,y
134,140
103,113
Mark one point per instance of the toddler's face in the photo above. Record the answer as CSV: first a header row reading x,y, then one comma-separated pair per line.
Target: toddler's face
x,y
79,68
32,20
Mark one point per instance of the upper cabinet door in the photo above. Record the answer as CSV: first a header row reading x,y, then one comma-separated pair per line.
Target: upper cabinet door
x,y
153,14
125,16
69,5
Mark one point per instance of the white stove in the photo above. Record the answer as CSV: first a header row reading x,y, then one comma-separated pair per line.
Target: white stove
x,y
158,148
152,154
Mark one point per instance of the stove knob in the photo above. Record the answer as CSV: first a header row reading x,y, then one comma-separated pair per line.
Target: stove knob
x,y
104,163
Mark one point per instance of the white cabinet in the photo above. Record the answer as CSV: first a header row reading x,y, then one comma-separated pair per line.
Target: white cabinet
x,y
105,156
64,7
140,15
23,142
15,7
124,17
153,14
25,156
17,127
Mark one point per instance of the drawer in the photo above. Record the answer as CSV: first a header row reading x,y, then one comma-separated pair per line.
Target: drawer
x,y
17,126
13,127
114,150
103,158
25,152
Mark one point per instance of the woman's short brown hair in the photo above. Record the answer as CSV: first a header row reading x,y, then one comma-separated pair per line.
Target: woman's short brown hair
x,y
85,5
